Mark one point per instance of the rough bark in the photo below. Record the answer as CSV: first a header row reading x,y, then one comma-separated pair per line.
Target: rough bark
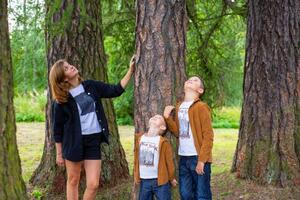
x,y
12,185
74,33
160,58
268,149
160,52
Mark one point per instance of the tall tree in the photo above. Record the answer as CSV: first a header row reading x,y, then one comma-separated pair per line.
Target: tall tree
x,y
73,31
160,57
268,148
12,185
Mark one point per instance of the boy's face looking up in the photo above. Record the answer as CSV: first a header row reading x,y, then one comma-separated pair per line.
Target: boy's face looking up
x,y
157,122
194,84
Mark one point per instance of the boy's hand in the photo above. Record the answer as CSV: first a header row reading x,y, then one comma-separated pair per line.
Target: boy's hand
x,y
200,168
168,110
60,161
174,182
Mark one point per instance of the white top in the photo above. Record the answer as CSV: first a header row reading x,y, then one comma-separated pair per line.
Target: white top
x,y
186,140
149,156
86,109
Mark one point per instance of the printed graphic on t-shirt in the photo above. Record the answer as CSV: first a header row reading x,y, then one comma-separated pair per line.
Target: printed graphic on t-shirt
x,y
86,103
184,123
147,151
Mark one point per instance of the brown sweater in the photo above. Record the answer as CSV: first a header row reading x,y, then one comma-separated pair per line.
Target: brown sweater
x,y
200,121
166,169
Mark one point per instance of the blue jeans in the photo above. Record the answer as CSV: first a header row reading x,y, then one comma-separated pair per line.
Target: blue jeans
x,y
193,186
149,188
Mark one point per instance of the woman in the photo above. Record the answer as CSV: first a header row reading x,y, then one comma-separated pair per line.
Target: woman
x,y
79,124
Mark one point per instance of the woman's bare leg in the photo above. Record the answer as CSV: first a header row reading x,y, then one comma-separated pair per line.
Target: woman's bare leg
x,y
73,172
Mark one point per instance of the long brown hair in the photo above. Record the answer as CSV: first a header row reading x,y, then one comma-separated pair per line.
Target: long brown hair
x,y
59,87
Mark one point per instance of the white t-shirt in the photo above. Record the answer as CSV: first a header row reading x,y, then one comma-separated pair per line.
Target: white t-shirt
x,y
86,108
149,156
186,140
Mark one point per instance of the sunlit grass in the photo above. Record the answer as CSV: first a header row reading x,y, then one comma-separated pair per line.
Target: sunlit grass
x,y
31,142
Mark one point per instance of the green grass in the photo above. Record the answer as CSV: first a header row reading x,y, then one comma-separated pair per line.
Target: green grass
x,y
30,107
127,138
223,150
30,138
31,142
226,117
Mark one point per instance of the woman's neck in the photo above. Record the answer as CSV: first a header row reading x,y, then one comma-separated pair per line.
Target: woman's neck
x,y
74,82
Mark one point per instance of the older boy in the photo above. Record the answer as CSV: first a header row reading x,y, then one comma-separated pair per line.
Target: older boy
x,y
192,124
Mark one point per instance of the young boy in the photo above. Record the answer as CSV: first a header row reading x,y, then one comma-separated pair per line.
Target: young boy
x,y
192,124
153,162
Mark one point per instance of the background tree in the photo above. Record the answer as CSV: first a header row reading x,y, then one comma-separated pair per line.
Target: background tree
x,y
74,32
268,148
11,183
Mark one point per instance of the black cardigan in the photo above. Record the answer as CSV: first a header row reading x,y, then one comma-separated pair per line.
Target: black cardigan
x,y
65,119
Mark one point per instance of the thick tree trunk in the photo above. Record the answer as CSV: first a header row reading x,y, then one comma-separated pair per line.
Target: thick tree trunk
x,y
268,149
74,33
160,58
160,51
12,185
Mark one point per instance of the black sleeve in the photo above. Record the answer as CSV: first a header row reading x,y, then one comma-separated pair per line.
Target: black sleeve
x,y
105,90
57,121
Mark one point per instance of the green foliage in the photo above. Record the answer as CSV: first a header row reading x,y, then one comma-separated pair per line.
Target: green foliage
x,y
37,194
119,36
28,46
215,50
30,107
226,117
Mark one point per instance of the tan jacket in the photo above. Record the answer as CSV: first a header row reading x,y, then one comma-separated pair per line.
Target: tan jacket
x,y
166,169
200,121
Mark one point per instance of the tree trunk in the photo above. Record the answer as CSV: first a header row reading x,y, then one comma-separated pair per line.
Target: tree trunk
x,y
160,53
12,185
160,58
268,149
74,33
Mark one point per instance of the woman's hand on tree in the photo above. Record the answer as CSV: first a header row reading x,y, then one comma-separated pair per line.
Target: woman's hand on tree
x,y
129,73
132,64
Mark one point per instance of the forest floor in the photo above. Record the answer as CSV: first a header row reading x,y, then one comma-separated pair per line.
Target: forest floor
x,y
225,186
